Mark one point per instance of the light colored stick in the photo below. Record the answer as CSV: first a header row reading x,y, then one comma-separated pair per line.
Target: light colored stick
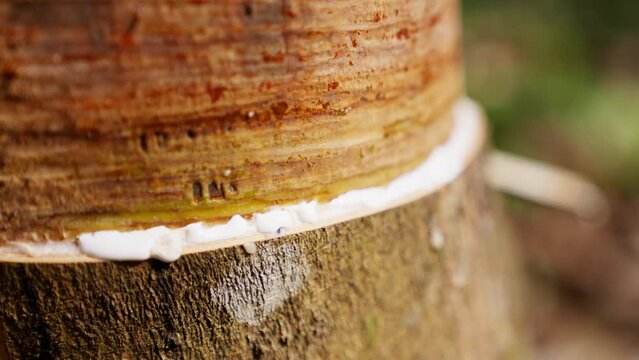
x,y
545,184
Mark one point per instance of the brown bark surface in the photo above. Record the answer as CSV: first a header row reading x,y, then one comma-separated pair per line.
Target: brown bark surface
x,y
433,279
128,114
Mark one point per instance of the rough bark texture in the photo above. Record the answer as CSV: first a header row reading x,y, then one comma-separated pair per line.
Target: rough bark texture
x,y
128,114
119,114
429,280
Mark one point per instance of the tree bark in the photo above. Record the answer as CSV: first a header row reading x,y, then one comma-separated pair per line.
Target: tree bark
x,y
121,114
432,279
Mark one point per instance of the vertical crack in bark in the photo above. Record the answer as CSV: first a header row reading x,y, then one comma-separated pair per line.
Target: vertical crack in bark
x,y
38,323
4,352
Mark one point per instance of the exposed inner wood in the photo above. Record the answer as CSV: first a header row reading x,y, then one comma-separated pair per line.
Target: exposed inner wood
x,y
128,115
474,149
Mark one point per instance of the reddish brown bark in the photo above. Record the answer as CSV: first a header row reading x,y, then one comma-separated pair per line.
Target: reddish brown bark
x,y
124,114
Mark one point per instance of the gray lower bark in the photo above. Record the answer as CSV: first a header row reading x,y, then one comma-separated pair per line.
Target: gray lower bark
x,y
433,279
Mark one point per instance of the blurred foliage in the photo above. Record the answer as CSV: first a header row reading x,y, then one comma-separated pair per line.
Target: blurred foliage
x,y
560,81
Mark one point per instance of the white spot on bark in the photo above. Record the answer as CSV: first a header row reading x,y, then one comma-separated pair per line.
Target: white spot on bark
x,y
250,248
437,238
260,284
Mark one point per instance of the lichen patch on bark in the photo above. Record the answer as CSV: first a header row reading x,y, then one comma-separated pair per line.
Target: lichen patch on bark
x,y
279,274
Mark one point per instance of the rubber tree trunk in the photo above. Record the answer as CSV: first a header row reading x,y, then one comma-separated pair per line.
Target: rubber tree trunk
x,y
128,115
121,114
433,279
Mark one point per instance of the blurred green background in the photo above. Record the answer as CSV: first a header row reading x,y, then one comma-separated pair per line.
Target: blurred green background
x,y
559,81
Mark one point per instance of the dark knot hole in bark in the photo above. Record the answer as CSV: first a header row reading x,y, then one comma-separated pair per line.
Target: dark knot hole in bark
x,y
248,9
161,139
215,190
230,190
144,143
198,192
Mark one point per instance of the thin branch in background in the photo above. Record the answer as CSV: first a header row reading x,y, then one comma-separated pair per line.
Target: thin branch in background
x,y
546,184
